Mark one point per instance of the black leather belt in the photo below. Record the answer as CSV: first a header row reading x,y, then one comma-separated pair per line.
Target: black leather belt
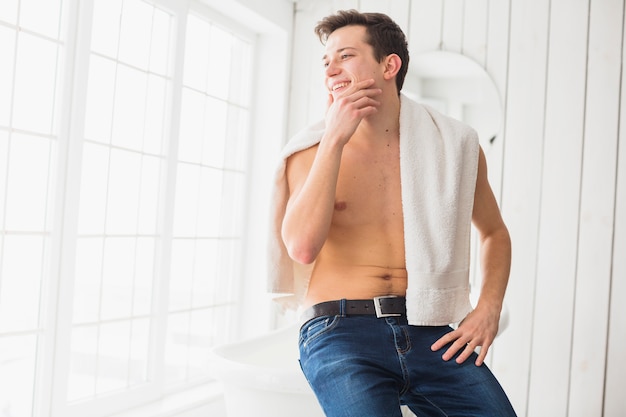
x,y
385,306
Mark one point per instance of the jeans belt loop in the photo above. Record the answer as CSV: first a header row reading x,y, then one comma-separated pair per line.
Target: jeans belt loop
x,y
342,307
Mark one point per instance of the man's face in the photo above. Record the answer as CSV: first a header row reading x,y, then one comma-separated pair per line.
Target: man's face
x,y
349,59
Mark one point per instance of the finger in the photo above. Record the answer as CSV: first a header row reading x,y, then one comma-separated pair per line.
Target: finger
x,y
366,102
357,86
443,340
348,97
481,356
329,101
467,352
362,84
454,349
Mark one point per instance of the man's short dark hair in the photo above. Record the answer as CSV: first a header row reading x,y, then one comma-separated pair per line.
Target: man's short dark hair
x,y
383,34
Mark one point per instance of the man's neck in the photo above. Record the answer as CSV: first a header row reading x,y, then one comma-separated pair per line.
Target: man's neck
x,y
384,125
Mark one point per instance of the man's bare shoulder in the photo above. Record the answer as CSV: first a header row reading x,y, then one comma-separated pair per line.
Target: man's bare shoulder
x,y
301,160
298,166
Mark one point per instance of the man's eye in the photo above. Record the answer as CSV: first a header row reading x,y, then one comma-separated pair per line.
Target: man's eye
x,y
344,56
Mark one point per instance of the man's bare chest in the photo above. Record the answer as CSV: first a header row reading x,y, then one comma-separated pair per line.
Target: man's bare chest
x,y
368,188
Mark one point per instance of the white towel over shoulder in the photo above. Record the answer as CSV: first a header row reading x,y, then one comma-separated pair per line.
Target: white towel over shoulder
x,y
438,168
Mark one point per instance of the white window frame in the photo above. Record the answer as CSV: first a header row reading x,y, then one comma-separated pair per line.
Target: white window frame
x,y
52,374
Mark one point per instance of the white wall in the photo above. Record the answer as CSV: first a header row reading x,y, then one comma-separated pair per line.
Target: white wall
x,y
559,174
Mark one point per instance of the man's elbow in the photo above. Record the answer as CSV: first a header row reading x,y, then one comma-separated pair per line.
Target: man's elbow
x,y
302,253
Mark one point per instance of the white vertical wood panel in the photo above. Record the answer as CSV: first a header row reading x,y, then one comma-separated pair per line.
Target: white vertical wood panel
x,y
496,65
522,184
562,157
452,33
307,96
398,10
345,4
597,209
425,28
475,29
301,66
614,398
475,37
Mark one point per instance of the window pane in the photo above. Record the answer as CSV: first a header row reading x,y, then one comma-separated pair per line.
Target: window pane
x,y
236,154
93,190
186,200
160,44
117,278
105,26
41,16
144,275
7,47
155,125
4,161
199,343
113,357
20,281
35,77
218,74
149,195
135,33
205,274
123,192
211,192
17,374
240,74
196,53
129,108
232,204
83,363
183,253
87,280
8,11
216,116
139,352
100,93
176,347
191,126
27,188
229,257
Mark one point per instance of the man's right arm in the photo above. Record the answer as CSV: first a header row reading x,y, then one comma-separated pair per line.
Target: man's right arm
x,y
312,176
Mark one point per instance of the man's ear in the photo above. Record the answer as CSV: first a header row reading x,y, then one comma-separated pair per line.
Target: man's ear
x,y
392,66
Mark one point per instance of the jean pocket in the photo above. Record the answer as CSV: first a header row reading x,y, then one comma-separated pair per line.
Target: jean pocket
x,y
315,328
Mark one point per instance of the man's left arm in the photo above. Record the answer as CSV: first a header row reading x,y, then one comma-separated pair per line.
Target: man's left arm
x,y
480,327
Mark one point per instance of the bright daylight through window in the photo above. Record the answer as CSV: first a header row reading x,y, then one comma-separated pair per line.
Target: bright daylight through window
x,y
123,159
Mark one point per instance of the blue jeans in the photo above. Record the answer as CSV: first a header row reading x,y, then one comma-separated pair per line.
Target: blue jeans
x,y
363,366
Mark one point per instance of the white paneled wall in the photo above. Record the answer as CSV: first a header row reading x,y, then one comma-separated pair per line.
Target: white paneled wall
x,y
558,171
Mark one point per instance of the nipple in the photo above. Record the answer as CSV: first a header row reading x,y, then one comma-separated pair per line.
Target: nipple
x,y
340,205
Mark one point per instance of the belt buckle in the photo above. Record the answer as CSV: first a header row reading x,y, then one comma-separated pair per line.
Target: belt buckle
x,y
379,310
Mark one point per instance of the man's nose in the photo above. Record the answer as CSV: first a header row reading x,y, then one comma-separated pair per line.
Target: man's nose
x,y
331,69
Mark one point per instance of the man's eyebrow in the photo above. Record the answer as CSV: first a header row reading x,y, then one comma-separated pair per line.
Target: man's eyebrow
x,y
338,51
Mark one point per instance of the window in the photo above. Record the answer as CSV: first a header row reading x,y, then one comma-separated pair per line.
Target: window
x,y
31,49
123,171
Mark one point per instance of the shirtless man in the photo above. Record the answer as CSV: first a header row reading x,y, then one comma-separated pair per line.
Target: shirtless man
x,y
345,214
